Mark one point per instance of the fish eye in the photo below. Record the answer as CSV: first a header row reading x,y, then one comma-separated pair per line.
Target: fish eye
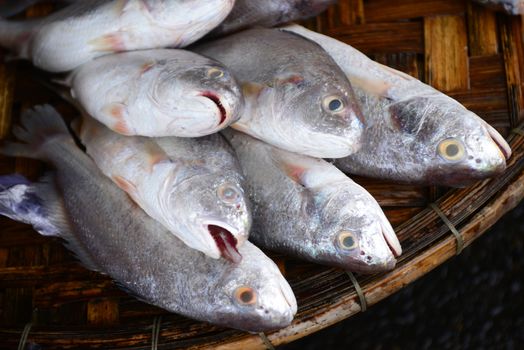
x,y
346,240
229,194
451,149
215,73
333,104
245,296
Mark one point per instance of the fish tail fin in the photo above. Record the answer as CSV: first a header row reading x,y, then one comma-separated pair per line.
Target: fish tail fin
x,y
38,126
20,201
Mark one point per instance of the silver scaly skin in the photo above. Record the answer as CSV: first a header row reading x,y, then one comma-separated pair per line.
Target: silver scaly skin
x,y
296,97
87,29
268,13
308,208
181,93
413,132
194,187
109,233
513,7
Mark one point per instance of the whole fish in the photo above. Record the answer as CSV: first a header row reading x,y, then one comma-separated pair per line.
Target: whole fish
x,y
191,186
88,29
307,207
268,13
513,7
158,93
296,97
109,233
413,132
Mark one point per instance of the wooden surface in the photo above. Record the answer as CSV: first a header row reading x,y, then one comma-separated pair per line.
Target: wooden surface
x,y
473,54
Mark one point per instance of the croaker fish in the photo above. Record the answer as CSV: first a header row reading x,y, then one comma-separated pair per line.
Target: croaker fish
x,y
109,233
413,132
194,187
296,97
158,93
513,7
268,13
88,29
307,207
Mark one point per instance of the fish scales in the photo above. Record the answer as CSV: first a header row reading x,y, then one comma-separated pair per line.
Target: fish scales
x,y
308,208
413,132
88,29
296,97
111,234
191,186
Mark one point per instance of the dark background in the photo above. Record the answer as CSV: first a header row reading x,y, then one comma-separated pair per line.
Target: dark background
x,y
473,301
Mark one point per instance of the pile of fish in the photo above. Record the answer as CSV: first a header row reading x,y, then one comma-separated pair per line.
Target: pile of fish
x,y
164,204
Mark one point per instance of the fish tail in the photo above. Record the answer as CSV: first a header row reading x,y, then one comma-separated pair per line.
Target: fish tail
x,y
19,201
38,126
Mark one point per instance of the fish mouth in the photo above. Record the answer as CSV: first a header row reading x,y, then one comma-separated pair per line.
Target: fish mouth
x,y
497,138
391,238
225,242
216,100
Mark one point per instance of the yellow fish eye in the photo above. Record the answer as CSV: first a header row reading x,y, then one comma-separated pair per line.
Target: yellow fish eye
x,y
229,194
215,73
451,149
346,240
245,296
333,104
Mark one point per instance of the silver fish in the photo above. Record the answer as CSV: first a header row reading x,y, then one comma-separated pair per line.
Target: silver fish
x,y
158,93
268,13
296,97
307,207
413,132
194,187
109,233
513,7
88,29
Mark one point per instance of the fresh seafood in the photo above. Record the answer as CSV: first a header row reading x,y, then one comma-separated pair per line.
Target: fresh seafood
x,y
296,97
191,186
307,207
413,132
268,13
158,93
513,7
88,29
109,233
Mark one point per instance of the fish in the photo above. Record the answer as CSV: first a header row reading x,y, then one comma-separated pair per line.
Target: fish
x,y
157,93
413,133
193,187
296,97
306,207
268,13
513,7
85,30
109,233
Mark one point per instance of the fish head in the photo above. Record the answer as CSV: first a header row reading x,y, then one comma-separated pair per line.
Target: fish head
x,y
218,213
355,234
453,146
319,107
205,93
253,295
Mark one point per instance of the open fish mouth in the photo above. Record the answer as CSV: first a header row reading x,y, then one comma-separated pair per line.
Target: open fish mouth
x,y
497,138
226,243
216,100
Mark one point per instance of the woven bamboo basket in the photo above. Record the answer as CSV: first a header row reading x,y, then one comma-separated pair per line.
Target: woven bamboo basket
x,y
49,301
